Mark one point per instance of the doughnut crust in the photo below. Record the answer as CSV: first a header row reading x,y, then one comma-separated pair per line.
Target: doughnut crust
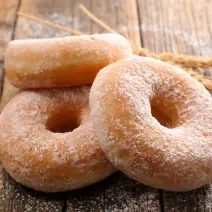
x,y
36,153
154,123
62,62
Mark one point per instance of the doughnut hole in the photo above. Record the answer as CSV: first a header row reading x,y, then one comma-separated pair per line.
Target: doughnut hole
x,y
164,111
62,122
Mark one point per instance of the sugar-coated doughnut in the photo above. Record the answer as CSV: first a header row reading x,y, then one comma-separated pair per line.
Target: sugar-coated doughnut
x,y
60,62
36,153
154,123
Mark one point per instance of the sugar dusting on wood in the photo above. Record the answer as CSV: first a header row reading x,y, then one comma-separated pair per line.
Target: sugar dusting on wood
x,y
1,180
33,201
37,30
116,194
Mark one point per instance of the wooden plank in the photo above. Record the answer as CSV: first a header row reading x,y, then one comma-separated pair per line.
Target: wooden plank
x,y
117,14
1,78
9,92
7,20
117,193
182,27
17,198
13,196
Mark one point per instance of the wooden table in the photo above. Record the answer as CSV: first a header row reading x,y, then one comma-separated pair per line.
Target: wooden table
x,y
182,26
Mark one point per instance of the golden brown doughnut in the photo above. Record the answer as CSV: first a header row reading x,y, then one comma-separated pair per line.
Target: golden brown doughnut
x,y
171,150
36,153
61,62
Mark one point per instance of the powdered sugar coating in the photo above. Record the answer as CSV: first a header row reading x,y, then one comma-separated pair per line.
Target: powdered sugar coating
x,y
60,62
135,142
47,161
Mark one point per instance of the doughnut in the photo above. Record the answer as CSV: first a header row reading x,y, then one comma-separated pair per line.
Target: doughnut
x,y
47,141
62,62
154,123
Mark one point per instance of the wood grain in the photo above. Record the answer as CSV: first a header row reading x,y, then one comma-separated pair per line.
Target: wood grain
x,y
7,20
116,193
182,27
9,92
16,198
1,78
